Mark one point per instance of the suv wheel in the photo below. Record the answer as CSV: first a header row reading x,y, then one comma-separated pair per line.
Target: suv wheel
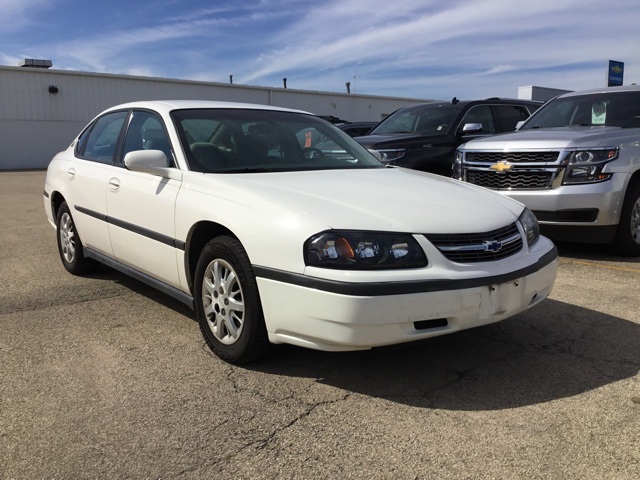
x,y
628,236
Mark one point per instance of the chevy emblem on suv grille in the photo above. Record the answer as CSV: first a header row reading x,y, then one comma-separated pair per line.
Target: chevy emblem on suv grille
x,y
501,167
492,245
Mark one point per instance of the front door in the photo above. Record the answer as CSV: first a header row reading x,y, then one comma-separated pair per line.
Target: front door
x,y
141,206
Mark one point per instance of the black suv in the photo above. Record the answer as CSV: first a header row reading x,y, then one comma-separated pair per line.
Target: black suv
x,y
425,136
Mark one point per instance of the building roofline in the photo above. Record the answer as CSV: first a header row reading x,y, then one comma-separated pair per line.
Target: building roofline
x,y
53,71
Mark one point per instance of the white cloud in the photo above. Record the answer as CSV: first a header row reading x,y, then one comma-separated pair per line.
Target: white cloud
x,y
467,39
18,15
416,48
9,60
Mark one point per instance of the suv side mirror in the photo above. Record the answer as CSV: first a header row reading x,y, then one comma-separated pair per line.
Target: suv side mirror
x,y
519,124
471,128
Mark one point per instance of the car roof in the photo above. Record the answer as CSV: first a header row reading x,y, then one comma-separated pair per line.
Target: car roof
x,y
462,103
626,88
166,106
355,124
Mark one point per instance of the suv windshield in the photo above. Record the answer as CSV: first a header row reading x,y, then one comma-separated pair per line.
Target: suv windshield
x,y
613,109
252,141
424,119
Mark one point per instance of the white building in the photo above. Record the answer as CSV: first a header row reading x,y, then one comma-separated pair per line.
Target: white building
x,y
42,110
543,94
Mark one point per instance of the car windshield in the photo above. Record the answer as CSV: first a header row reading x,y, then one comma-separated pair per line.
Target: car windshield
x,y
612,109
256,141
432,119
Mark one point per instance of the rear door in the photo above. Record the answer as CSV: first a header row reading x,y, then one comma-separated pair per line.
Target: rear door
x,y
88,174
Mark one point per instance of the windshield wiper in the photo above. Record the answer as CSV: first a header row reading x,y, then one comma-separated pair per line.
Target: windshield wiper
x,y
246,170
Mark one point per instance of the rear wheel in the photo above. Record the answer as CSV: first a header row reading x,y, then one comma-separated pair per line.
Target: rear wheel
x,y
628,236
69,244
228,304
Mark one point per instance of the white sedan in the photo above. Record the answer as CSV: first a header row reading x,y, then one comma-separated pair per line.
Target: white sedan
x,y
276,227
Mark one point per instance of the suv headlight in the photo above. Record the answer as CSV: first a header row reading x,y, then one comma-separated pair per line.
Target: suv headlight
x,y
361,250
529,223
585,166
456,170
391,155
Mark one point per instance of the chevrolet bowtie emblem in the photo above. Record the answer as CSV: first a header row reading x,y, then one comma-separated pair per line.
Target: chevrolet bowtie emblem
x,y
492,246
501,167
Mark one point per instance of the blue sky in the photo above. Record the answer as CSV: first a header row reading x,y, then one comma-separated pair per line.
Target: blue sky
x,y
405,48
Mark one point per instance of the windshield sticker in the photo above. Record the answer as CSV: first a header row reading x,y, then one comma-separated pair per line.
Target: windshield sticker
x,y
598,113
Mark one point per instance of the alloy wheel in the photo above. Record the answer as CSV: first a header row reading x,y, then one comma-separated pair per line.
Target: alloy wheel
x,y
635,222
223,301
67,238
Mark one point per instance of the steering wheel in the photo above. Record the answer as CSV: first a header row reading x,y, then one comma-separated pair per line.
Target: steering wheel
x,y
312,152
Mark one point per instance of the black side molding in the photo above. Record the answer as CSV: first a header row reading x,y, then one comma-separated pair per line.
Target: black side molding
x,y
378,289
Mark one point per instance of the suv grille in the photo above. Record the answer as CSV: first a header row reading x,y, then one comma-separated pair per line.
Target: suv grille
x,y
524,170
478,247
512,157
504,181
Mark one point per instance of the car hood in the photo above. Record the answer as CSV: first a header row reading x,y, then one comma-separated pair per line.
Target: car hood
x,y
396,139
389,199
551,138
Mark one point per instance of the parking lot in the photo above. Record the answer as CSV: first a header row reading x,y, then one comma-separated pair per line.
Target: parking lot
x,y
103,377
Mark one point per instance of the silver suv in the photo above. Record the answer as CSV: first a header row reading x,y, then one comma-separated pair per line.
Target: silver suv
x,y
575,163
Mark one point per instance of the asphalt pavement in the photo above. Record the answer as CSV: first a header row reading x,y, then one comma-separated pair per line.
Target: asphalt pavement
x,y
103,377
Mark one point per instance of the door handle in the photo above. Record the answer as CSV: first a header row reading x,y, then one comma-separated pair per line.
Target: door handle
x,y
114,184
71,173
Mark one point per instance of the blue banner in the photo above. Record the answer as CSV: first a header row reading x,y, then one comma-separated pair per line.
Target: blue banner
x,y
615,73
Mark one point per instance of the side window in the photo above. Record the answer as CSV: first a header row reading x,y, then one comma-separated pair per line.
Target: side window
x,y
103,138
480,114
146,132
507,116
82,141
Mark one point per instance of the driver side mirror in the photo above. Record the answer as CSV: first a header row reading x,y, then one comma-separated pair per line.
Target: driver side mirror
x,y
471,128
153,162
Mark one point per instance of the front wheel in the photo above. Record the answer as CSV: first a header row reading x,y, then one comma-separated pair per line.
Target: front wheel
x,y
227,302
628,236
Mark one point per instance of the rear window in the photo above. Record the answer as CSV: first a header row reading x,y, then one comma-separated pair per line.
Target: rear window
x,y
98,143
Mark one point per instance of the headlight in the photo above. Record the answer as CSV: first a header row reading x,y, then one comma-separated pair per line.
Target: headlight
x,y
530,225
389,156
456,170
358,250
585,166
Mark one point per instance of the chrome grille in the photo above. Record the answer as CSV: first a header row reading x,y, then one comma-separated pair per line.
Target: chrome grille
x,y
478,247
512,157
509,180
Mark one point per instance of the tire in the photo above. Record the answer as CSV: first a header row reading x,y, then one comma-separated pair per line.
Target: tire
x,y
628,235
69,244
227,302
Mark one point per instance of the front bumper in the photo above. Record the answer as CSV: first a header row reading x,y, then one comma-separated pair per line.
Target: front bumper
x,y
328,319
593,205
